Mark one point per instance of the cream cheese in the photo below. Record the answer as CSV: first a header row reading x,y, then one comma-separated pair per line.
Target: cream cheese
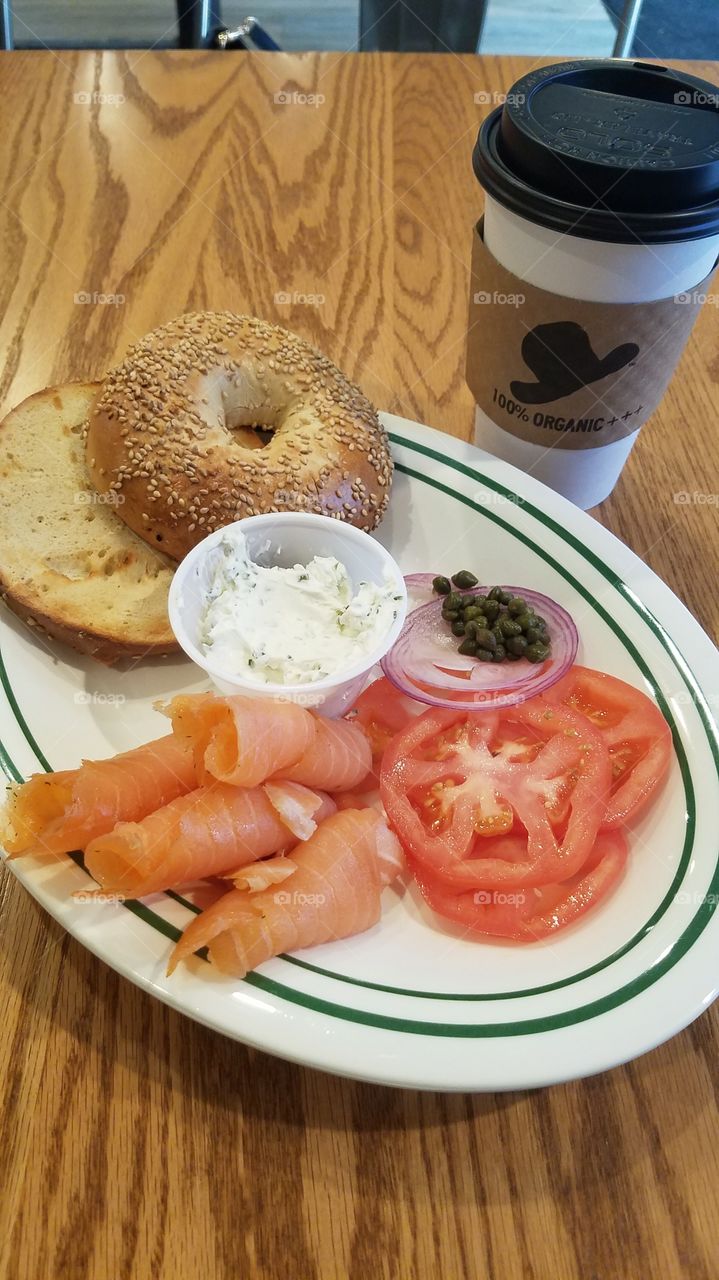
x,y
292,626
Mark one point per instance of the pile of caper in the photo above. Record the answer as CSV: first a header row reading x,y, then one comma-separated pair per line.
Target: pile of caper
x,y
497,627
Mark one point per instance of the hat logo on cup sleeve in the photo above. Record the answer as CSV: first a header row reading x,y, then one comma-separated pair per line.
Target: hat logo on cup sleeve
x,y
562,360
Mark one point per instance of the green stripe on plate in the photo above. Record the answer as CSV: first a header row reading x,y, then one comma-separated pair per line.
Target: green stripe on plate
x,y
135,907
8,767
23,725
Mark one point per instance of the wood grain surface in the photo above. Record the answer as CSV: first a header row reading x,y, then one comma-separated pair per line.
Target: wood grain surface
x,y
135,1143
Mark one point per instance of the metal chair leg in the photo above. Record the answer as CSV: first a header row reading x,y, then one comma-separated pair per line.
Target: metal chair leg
x,y
198,22
6,33
627,29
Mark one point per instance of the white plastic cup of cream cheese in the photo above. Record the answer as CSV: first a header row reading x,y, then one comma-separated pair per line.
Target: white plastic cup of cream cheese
x,y
286,539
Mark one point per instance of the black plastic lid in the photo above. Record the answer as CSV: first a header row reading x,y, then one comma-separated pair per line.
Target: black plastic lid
x,y
609,150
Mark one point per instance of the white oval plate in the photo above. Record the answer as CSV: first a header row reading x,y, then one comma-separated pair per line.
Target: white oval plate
x,y
412,1003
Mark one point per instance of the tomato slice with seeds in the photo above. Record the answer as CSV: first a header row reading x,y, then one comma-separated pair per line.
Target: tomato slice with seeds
x,y
530,914
454,784
511,820
636,735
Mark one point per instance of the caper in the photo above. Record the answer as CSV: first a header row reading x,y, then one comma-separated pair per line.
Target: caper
x,y
516,606
485,639
464,579
492,627
516,646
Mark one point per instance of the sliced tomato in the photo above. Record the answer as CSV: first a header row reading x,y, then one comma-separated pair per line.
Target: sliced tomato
x,y
634,731
529,914
383,710
457,788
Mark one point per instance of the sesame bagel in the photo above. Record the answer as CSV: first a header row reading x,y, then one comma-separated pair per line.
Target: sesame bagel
x,y
215,416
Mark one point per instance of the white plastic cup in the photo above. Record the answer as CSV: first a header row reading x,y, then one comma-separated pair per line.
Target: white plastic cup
x,y
592,271
601,179
287,538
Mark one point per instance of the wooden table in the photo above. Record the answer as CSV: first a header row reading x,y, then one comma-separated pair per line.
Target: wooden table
x,y
134,1142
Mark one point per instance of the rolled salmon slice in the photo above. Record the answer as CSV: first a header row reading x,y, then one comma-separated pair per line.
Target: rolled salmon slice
x,y
338,759
334,892
59,812
209,832
239,740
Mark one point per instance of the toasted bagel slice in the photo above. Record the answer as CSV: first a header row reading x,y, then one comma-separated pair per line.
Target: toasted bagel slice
x,y
69,565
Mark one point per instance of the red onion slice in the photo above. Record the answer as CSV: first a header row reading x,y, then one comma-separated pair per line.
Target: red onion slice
x,y
425,664
419,590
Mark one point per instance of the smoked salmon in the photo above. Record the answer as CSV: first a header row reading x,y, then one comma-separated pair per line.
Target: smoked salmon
x,y
59,812
260,875
241,740
210,832
334,892
338,759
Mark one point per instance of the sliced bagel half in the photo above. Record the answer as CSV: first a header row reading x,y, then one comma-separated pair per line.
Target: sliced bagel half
x,y
69,566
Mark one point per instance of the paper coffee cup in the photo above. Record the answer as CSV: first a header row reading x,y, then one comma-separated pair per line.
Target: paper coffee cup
x,y
600,233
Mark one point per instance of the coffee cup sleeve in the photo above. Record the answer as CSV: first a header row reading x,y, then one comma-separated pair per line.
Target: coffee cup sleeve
x,y
561,372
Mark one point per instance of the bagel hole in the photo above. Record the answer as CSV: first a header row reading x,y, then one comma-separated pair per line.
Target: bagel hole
x,y
251,427
252,437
